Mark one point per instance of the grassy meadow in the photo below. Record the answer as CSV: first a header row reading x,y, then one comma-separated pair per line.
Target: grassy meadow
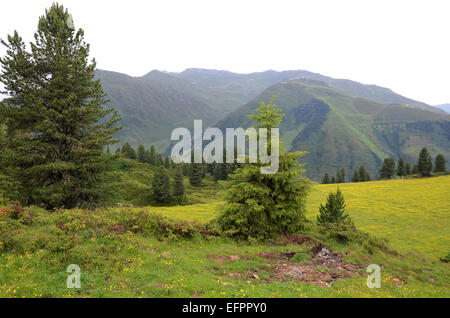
x,y
413,214
130,252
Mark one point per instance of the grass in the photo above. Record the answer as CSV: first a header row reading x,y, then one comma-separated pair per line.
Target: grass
x,y
404,211
413,214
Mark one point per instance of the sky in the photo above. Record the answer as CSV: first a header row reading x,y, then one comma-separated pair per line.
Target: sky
x,y
402,45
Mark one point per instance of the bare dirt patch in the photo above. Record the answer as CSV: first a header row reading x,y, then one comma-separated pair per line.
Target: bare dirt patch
x,y
324,268
222,259
293,239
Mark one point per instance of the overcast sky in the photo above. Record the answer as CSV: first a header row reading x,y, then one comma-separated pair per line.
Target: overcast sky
x,y
403,45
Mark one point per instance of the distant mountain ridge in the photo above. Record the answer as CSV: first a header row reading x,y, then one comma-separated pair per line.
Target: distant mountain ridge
x,y
243,87
444,107
341,130
340,122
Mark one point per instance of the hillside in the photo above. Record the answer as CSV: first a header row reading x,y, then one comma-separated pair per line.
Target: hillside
x,y
131,252
231,90
444,107
153,105
340,130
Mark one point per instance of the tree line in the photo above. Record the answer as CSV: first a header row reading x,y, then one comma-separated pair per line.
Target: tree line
x,y
423,167
390,168
359,175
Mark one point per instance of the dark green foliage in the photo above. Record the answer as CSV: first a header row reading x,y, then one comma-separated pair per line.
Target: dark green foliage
x,y
141,153
259,205
407,169
129,151
333,212
58,125
355,177
339,140
333,179
388,169
186,169
401,170
220,172
340,176
159,159
108,151
152,155
161,187
425,164
196,174
439,163
178,186
414,170
167,162
326,179
363,174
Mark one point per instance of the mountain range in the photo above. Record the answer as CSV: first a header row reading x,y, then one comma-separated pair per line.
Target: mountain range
x,y
444,107
339,122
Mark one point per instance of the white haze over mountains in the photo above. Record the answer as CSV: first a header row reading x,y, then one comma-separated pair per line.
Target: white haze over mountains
x,y
400,44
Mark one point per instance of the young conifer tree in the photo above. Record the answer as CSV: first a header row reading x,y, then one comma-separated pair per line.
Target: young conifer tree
x,y
178,186
439,163
161,187
56,115
333,212
263,205
425,163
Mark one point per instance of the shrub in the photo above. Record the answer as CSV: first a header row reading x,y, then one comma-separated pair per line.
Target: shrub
x,y
333,212
260,205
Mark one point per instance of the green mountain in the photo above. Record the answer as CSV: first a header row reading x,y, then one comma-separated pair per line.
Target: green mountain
x,y
340,122
342,130
153,105
230,90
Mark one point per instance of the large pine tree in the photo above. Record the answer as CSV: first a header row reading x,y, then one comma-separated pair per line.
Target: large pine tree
x,y
58,125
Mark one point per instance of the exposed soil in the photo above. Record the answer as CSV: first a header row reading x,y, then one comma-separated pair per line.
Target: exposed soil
x,y
324,268
293,239
222,259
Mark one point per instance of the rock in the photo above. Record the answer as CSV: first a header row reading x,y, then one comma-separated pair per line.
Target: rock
x,y
254,275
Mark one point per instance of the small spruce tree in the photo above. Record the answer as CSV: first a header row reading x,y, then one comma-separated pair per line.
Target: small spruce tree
x,y
141,153
387,171
129,151
333,212
407,169
178,186
439,163
161,187
356,177
153,158
425,164
263,205
401,168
